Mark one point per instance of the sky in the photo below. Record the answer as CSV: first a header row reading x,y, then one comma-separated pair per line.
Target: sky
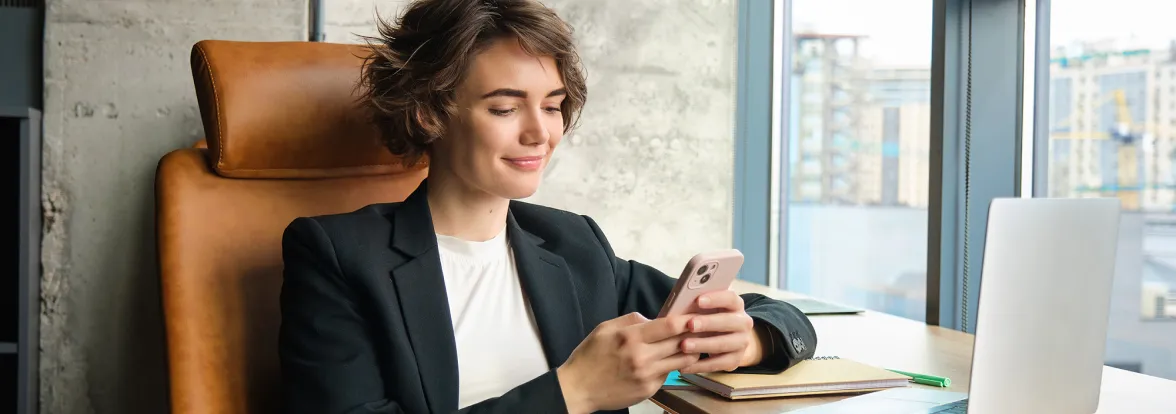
x,y
899,31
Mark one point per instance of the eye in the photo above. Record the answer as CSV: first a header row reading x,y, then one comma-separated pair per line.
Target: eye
x,y
552,109
501,112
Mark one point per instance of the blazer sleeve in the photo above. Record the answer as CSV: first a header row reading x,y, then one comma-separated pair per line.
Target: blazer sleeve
x,y
642,288
328,361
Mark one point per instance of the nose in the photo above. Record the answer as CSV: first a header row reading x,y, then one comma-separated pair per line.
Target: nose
x,y
534,131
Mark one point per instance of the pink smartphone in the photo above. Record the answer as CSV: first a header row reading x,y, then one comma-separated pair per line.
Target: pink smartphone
x,y
704,273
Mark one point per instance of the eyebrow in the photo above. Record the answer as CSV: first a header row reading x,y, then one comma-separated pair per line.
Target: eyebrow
x,y
515,93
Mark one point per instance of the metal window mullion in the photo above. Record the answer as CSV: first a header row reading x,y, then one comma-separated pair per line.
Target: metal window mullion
x,y
944,188
996,45
781,112
752,195
1040,169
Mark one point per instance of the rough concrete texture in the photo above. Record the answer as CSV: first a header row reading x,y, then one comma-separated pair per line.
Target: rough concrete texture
x,y
653,159
348,20
118,96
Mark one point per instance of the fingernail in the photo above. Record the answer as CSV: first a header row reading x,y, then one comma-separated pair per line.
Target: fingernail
x,y
703,301
695,326
688,345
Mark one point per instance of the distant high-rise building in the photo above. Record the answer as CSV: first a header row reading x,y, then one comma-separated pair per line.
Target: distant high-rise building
x,y
897,86
1112,126
826,82
1158,301
894,157
895,137
861,133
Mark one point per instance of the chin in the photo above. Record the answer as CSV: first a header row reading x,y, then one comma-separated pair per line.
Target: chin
x,y
519,188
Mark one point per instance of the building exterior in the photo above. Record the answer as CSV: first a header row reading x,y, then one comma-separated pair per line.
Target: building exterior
x,y
895,138
861,134
828,86
1112,124
1157,302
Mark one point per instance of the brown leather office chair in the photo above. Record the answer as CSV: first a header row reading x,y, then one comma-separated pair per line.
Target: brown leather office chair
x,y
284,140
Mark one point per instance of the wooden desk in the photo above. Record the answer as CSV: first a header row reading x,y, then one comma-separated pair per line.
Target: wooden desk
x,y
893,342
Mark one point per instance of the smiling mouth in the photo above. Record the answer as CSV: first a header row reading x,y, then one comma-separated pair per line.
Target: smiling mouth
x,y
525,163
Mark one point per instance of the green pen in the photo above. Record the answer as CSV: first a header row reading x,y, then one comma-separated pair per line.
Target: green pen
x,y
925,379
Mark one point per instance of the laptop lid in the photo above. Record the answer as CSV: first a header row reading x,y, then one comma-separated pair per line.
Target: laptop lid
x,y
1041,323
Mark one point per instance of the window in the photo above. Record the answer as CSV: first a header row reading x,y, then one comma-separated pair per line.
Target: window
x,y
854,230
1126,157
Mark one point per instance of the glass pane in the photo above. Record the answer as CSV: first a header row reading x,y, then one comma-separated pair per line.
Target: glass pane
x,y
858,153
1112,120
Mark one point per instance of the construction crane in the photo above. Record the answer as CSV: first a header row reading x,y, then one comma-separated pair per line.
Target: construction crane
x,y
1129,136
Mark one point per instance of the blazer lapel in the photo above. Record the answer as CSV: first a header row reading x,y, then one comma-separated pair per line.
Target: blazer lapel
x,y
420,287
552,294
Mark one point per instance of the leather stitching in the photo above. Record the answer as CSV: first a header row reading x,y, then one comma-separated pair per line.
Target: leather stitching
x,y
323,169
220,132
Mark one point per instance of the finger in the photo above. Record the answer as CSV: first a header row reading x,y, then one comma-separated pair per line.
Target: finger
x,y
721,322
664,348
723,299
663,328
724,362
715,344
675,362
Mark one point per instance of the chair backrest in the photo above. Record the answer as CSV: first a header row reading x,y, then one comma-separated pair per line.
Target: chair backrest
x,y
284,139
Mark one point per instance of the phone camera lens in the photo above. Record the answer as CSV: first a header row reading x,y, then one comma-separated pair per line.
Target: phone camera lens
x,y
704,279
702,270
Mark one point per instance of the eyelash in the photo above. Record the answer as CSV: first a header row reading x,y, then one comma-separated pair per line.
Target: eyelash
x,y
505,112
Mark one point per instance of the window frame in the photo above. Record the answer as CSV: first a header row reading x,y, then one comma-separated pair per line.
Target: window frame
x,y
751,221
998,28
1039,168
998,120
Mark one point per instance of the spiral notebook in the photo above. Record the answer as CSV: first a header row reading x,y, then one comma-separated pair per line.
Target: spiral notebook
x,y
822,375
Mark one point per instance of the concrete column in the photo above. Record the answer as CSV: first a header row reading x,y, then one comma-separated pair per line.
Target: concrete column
x,y
119,95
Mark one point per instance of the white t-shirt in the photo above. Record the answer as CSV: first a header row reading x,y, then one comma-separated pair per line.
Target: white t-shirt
x,y
498,346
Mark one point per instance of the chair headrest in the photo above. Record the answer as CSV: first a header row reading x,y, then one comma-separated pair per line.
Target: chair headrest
x,y
286,110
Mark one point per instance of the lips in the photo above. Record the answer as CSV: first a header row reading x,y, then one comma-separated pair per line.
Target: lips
x,y
525,163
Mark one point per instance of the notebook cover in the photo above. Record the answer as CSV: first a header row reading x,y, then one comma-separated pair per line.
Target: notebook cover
x,y
811,393
810,377
674,381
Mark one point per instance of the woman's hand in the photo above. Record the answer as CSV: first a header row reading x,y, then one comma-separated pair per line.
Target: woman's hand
x,y
622,362
730,339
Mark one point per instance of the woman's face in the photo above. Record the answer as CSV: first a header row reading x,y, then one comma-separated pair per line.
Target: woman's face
x,y
507,124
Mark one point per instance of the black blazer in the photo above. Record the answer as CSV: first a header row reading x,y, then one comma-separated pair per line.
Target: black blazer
x,y
366,326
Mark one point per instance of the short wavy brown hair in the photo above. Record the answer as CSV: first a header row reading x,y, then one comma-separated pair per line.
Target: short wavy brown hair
x,y
417,62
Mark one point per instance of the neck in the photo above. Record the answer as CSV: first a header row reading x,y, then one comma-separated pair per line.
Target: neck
x,y
463,212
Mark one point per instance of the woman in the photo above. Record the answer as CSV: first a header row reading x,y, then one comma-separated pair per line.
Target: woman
x,y
459,297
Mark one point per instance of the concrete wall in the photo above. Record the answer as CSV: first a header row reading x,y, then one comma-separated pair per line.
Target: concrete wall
x,y
652,161
118,95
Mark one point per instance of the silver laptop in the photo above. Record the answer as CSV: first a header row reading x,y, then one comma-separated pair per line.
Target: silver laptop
x,y
1041,323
